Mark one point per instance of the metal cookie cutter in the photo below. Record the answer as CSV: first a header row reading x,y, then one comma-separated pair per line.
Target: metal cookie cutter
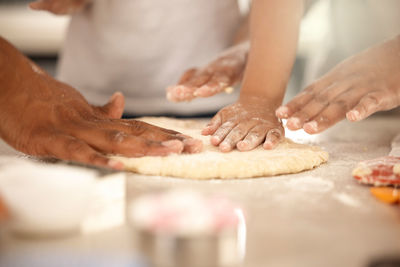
x,y
181,228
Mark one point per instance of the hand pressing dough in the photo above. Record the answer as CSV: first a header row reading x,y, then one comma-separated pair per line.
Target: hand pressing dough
x,y
287,157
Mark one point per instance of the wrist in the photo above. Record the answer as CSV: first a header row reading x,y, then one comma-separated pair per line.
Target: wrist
x,y
240,49
259,93
257,100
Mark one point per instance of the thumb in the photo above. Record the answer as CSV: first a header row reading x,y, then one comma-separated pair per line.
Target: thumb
x,y
115,106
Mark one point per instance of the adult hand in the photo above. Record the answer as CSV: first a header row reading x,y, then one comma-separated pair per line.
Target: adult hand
x,y
43,117
223,72
355,89
60,7
245,125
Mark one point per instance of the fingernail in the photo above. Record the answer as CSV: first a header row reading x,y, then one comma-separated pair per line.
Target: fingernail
x,y
215,140
174,145
175,92
170,97
205,131
116,165
225,147
268,145
311,126
113,97
294,123
243,145
353,115
195,145
282,112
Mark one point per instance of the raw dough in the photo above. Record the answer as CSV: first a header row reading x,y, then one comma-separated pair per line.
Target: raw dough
x,y
288,157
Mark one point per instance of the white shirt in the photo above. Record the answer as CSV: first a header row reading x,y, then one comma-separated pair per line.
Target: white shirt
x,y
140,47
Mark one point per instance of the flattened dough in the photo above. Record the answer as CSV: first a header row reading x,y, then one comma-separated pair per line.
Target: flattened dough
x,y
287,157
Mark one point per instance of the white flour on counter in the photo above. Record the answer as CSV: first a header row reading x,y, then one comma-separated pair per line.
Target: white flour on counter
x,y
310,184
347,200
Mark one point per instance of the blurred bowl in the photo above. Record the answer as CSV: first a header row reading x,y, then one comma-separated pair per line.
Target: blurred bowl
x,y
45,199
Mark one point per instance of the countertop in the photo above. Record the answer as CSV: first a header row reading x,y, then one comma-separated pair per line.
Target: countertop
x,y
321,217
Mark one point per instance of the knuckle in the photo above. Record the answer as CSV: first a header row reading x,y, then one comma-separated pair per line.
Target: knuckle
x,y
223,78
147,144
227,125
303,114
343,104
305,94
323,120
138,127
375,99
145,148
73,147
201,78
323,99
254,134
220,133
215,121
238,132
275,133
384,100
302,97
93,158
311,89
115,137
254,137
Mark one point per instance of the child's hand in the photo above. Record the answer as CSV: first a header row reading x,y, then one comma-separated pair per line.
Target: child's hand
x,y
355,89
245,125
214,78
59,7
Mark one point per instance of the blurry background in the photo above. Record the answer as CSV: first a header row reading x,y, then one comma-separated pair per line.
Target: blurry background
x,y
40,35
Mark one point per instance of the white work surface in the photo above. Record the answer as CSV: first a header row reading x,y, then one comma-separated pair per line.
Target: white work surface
x,y
321,217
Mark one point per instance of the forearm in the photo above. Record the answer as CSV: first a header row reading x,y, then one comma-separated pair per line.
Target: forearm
x,y
243,32
12,64
17,77
61,7
274,28
15,70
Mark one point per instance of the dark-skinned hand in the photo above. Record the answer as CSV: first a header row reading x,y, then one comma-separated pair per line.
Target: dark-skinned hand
x,y
60,7
43,117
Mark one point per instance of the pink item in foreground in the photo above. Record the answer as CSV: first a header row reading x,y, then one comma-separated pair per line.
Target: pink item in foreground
x,y
182,212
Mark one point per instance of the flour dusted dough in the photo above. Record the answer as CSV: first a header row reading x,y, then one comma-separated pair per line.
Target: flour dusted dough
x,y
287,157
